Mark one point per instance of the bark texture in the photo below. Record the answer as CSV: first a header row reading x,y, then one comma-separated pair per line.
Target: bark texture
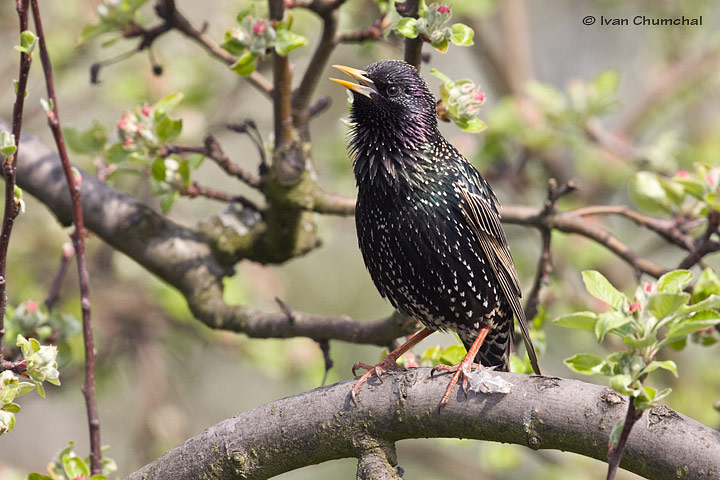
x,y
540,412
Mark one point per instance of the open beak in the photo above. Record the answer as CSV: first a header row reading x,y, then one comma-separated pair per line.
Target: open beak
x,y
365,86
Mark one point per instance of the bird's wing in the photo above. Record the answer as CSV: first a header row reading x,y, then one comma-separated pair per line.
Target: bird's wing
x,y
484,220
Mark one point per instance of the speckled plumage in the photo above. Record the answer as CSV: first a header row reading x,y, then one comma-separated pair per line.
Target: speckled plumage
x,y
427,222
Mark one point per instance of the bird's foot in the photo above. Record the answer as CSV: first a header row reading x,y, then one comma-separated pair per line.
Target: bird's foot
x,y
387,363
461,370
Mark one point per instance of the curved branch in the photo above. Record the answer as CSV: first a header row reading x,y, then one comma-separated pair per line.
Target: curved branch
x,y
190,260
540,412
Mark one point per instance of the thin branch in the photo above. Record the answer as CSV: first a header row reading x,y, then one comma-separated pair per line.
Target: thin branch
x,y
68,252
615,454
704,245
332,203
373,32
9,167
195,190
316,67
174,20
213,150
16,367
73,184
539,412
282,81
413,46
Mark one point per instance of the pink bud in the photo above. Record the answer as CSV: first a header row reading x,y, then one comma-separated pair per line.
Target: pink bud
x,y
479,97
444,9
683,174
709,179
122,123
129,142
145,110
32,306
259,28
635,307
649,287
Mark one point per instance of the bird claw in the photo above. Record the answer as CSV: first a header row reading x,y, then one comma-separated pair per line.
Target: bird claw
x,y
387,363
463,370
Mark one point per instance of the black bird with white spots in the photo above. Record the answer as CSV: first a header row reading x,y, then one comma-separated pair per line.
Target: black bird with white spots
x,y
427,221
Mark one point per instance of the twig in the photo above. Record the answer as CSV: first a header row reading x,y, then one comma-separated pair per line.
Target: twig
x,y
16,367
373,32
196,190
73,184
9,169
313,72
249,127
704,245
173,19
615,454
413,46
544,268
68,252
325,349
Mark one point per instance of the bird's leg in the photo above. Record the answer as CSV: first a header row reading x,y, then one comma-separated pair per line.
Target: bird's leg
x,y
387,363
463,368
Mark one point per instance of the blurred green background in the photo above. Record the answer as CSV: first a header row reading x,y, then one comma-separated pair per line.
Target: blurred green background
x,y
164,377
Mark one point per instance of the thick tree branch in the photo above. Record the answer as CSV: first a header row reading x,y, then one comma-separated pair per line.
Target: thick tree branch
x,y
194,262
540,412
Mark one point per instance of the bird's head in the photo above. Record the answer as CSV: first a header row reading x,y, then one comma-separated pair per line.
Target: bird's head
x,y
392,97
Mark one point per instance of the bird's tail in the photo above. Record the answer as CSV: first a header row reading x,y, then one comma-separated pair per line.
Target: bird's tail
x,y
495,350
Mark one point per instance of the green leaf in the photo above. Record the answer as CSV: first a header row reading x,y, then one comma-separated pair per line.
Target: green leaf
x,y
663,304
11,407
452,355
648,194
585,363
246,64
471,125
707,284
621,383
639,343
117,154
38,476
648,397
89,142
582,320
166,104
286,41
75,467
668,365
167,129
158,169
462,35
615,434
710,303
440,45
7,143
609,321
167,202
599,287
687,325
406,27
28,41
184,172
675,281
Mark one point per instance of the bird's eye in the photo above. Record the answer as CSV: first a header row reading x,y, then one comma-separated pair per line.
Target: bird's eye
x,y
392,91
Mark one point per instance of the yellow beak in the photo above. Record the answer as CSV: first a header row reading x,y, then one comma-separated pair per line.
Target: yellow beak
x,y
365,87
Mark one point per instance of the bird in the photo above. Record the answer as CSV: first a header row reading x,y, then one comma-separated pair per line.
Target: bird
x,y
428,225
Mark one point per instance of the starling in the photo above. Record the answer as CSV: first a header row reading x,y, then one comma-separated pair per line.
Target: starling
x,y
428,224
